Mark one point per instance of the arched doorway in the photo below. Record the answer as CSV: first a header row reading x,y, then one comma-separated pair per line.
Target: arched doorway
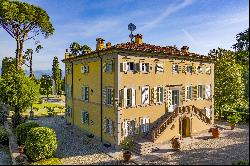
x,y
185,127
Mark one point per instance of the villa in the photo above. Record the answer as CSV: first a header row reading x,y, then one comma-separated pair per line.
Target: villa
x,y
136,89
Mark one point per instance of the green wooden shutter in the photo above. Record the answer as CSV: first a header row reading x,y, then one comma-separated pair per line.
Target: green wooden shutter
x,y
194,92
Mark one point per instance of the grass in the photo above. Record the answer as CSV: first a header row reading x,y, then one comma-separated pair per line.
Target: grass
x,y
50,161
41,110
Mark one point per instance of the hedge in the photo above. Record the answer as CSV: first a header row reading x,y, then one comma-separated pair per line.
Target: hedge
x,y
22,131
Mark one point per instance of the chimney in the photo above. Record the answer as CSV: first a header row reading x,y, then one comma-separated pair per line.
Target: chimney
x,y
99,44
108,45
185,49
138,39
66,54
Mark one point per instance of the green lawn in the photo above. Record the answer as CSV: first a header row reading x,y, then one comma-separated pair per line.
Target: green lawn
x,y
41,110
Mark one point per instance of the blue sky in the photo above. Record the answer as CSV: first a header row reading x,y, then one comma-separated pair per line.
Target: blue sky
x,y
201,24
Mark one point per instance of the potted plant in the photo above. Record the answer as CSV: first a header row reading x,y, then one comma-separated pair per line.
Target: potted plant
x,y
233,120
127,146
176,143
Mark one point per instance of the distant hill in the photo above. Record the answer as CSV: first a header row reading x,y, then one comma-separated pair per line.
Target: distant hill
x,y
39,73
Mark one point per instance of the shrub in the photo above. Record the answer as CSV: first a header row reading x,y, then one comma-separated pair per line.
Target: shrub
x,y
41,143
22,131
234,119
241,162
50,161
3,135
127,144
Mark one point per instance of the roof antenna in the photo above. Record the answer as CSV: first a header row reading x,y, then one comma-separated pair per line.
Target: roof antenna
x,y
131,28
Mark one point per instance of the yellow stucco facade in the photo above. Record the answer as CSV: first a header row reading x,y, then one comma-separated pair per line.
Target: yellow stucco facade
x,y
117,102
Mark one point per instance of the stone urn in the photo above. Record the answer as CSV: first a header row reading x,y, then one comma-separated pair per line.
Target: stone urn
x,y
126,156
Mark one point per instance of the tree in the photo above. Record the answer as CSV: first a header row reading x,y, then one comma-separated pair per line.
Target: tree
x,y
229,87
8,65
56,74
29,56
46,85
242,56
76,49
18,91
23,21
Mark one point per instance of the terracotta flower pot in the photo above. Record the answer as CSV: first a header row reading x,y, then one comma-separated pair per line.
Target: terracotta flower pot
x,y
176,143
126,156
215,132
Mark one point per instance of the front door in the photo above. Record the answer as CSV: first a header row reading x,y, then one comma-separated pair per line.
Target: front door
x,y
185,127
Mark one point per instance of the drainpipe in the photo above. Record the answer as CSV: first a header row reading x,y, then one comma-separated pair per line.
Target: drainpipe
x,y
101,92
72,90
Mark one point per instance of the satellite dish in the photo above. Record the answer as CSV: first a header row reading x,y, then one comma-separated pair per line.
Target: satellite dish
x,y
131,27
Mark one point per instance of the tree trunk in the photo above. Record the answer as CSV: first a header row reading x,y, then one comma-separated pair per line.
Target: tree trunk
x,y
31,64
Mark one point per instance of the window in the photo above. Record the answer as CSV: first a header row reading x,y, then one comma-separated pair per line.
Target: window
x,y
109,96
85,69
201,91
85,93
130,66
160,94
189,69
208,70
199,69
159,67
69,112
145,95
109,126
85,117
108,67
175,97
144,125
175,68
129,97
144,67
189,92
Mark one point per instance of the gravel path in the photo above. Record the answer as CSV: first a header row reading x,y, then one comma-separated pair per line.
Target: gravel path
x,y
76,148
5,158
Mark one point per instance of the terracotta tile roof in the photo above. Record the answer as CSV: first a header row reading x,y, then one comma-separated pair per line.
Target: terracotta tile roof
x,y
144,47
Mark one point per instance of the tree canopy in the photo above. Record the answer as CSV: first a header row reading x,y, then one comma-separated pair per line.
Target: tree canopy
x,y
18,90
76,49
23,21
56,75
8,65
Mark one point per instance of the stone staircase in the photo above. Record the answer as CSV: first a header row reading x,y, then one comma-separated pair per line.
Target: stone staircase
x,y
146,144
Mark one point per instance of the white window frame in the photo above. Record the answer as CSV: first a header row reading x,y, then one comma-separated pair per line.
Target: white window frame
x,y
160,94
201,94
145,125
159,67
129,66
189,92
189,69
199,69
208,70
85,93
176,68
109,97
145,95
129,97
144,67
